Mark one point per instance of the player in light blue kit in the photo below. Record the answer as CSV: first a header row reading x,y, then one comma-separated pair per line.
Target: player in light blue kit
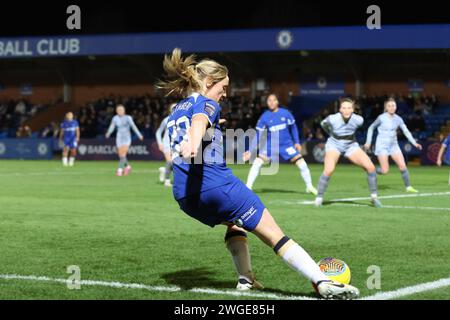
x,y
70,135
123,123
444,158
279,120
341,128
206,189
163,140
387,145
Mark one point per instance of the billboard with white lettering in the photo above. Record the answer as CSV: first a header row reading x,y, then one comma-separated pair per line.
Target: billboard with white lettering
x,y
312,38
105,149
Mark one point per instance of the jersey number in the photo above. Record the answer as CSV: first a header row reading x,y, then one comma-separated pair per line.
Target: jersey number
x,y
178,129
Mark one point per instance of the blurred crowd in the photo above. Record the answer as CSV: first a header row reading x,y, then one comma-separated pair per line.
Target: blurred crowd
x,y
239,111
148,112
14,113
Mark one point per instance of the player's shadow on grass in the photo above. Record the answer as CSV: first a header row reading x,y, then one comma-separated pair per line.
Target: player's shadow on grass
x,y
196,278
365,204
268,190
203,278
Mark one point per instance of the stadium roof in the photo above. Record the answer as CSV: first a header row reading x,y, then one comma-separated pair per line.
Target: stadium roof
x,y
37,18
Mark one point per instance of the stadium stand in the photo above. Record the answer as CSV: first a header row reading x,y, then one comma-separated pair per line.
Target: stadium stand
x,y
423,114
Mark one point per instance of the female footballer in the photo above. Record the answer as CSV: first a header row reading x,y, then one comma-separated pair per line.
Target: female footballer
x,y
444,156
341,128
70,135
164,146
206,189
123,123
281,121
387,145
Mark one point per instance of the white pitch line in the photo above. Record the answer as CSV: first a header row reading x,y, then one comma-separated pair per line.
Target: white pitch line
x,y
266,295
402,292
396,196
392,207
68,173
407,291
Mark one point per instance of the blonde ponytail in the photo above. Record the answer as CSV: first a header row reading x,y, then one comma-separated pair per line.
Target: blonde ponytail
x,y
184,76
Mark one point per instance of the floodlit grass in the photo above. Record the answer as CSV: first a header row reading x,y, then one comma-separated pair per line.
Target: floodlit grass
x,y
131,230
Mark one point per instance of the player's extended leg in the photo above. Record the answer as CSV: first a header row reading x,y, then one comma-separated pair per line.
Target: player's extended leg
x,y
360,158
162,174
122,152
168,170
331,159
127,166
254,172
383,160
299,260
65,153
305,173
73,154
236,242
401,164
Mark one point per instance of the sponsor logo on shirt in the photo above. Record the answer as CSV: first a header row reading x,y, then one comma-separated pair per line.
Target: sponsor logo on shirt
x,y
210,109
278,127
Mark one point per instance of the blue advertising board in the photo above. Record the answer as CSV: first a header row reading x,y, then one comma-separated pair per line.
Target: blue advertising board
x,y
105,149
246,40
315,93
26,149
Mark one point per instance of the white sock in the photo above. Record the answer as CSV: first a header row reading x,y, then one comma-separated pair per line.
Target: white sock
x,y
162,173
304,171
254,172
71,161
238,248
64,160
299,260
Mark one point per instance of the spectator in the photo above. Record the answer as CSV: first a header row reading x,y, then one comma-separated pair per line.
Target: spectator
x,y
24,132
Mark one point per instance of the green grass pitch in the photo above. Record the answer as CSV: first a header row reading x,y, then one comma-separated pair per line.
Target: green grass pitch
x,y
130,230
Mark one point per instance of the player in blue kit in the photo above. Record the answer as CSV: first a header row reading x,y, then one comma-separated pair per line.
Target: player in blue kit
x,y
279,120
387,145
206,189
444,158
341,127
70,135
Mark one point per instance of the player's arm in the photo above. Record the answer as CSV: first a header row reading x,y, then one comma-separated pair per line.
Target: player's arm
x,y
111,128
159,132
293,130
326,125
61,133
204,115
440,155
78,134
135,128
370,131
189,148
260,127
409,136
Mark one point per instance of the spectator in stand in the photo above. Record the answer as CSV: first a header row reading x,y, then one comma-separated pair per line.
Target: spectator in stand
x,y
24,132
